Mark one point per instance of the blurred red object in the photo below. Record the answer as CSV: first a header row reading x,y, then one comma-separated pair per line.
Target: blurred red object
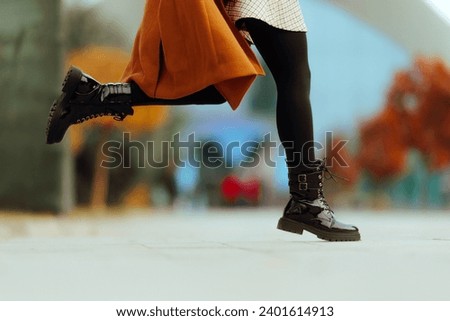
x,y
233,189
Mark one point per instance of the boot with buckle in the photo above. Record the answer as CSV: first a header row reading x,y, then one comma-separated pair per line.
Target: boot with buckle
x,y
308,210
84,98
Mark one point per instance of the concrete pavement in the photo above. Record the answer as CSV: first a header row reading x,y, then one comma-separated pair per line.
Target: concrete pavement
x,y
224,255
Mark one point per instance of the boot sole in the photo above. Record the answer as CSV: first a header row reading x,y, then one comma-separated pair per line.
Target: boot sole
x,y
292,226
56,128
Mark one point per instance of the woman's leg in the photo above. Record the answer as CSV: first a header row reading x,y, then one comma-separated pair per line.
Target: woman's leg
x,y
207,96
286,55
84,98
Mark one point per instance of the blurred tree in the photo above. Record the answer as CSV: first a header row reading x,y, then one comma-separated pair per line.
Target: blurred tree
x,y
416,116
383,147
430,114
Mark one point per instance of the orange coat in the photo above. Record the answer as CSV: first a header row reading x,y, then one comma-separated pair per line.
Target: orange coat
x,y
183,46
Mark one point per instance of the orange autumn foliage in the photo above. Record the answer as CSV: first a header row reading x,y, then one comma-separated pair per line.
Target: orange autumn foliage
x,y
416,116
383,153
432,116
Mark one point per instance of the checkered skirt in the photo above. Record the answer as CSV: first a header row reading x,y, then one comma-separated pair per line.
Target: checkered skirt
x,y
282,14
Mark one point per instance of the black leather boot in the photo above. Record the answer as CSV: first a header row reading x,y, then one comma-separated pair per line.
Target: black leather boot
x,y
308,210
84,98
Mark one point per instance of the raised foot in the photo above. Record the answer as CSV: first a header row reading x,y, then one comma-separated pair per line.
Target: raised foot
x,y
56,124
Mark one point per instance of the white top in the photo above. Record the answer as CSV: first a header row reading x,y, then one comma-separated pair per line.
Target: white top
x,y
282,14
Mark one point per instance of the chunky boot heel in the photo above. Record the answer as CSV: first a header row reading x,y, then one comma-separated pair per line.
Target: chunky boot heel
x,y
288,225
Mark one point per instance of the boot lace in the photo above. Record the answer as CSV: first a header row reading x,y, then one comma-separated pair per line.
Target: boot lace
x,y
107,90
321,198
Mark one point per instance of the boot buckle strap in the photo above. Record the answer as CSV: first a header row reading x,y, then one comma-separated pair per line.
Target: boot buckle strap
x,y
302,182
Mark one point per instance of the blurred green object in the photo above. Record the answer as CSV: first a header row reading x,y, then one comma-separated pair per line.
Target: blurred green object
x,y
34,176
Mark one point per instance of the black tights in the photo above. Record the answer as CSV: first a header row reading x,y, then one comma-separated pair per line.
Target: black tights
x,y
207,96
286,55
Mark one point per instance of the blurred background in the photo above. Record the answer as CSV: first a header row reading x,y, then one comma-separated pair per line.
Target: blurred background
x,y
381,81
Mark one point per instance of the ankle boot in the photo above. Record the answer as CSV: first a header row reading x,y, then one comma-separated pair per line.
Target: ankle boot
x,y
308,210
84,98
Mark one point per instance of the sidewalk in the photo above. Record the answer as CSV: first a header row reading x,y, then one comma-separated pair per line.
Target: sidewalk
x,y
227,255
